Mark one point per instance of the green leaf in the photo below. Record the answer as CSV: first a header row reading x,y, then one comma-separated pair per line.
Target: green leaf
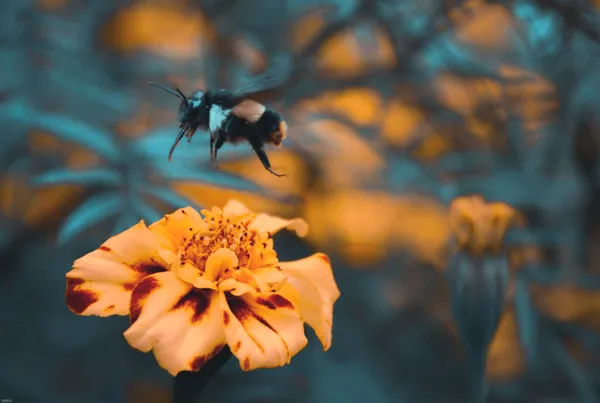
x,y
97,176
90,137
527,319
155,145
92,211
168,196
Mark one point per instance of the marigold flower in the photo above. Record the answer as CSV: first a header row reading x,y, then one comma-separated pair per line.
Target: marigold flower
x,y
479,227
192,285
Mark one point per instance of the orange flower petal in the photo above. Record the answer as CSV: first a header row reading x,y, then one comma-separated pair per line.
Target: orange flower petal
x,y
262,330
100,282
219,261
312,288
235,208
179,227
182,325
272,224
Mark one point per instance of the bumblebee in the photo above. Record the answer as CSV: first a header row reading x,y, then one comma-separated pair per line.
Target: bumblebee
x,y
229,117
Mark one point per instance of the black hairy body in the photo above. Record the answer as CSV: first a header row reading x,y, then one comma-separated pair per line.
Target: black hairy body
x,y
230,117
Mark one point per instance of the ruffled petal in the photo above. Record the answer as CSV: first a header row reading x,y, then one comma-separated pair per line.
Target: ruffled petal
x,y
182,325
270,275
186,270
179,226
218,262
235,208
313,290
235,287
241,289
264,222
272,224
262,330
100,282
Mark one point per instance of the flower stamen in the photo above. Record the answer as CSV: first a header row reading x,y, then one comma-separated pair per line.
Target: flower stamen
x,y
240,251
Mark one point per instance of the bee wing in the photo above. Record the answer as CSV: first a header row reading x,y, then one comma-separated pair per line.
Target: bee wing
x,y
266,86
217,116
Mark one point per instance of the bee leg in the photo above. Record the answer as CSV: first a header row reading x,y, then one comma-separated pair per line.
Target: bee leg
x,y
219,141
212,148
264,159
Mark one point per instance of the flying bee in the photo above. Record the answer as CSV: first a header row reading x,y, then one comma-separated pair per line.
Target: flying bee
x,y
230,117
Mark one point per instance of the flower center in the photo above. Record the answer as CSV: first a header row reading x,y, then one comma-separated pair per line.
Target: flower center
x,y
220,234
253,252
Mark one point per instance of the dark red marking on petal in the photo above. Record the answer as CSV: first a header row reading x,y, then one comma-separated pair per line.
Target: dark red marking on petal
x,y
129,286
144,270
78,300
242,312
263,322
148,268
139,295
196,300
109,308
238,307
183,212
105,248
199,361
237,346
246,363
226,318
324,258
274,301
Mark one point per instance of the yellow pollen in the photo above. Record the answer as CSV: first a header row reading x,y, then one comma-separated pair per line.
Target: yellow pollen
x,y
232,234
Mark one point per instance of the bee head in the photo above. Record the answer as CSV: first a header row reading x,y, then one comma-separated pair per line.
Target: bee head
x,y
187,105
279,134
187,126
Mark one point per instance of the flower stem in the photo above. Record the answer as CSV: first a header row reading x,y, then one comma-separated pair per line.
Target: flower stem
x,y
477,381
188,386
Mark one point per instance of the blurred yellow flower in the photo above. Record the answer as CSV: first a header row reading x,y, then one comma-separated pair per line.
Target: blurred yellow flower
x,y
479,227
192,285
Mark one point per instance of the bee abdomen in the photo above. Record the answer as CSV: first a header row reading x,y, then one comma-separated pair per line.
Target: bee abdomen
x,y
272,127
279,134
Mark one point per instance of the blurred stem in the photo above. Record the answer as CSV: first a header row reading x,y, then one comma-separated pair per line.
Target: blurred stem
x,y
573,370
477,381
188,386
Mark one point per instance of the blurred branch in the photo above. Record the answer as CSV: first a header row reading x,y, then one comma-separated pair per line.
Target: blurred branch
x,y
578,15
574,371
302,57
552,275
218,8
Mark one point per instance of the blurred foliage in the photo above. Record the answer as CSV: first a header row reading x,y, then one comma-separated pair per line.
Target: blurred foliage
x,y
401,108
